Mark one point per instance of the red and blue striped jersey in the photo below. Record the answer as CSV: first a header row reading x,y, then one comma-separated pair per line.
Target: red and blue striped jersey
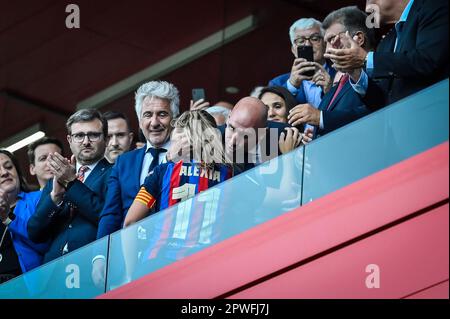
x,y
193,223
169,183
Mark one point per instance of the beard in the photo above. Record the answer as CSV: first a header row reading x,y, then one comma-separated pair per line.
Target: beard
x,y
89,158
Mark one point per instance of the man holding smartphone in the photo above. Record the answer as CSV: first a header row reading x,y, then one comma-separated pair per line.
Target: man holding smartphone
x,y
308,81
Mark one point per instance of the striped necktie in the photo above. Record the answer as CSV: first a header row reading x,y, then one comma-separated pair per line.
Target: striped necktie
x,y
81,173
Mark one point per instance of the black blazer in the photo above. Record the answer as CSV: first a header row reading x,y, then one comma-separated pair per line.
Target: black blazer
x,y
54,223
348,106
421,58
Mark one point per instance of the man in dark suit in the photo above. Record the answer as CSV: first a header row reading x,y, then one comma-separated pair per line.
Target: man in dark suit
x,y
341,105
411,57
248,137
69,209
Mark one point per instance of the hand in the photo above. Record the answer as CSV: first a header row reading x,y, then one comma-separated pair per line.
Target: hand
x,y
4,205
351,57
322,78
180,148
299,67
57,192
289,140
199,105
304,113
63,170
308,136
99,273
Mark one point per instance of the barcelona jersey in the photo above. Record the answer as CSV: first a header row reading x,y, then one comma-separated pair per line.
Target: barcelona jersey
x,y
170,183
191,224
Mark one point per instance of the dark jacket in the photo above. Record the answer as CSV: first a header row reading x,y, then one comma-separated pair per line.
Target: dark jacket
x,y
421,58
348,106
54,223
123,186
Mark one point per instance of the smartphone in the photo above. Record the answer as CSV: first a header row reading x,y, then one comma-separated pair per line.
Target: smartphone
x,y
198,94
306,52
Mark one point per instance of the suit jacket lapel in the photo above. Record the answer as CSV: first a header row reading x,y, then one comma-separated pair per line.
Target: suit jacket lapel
x,y
327,98
138,168
408,25
343,91
98,171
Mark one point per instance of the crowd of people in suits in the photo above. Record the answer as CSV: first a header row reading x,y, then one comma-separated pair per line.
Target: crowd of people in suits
x,y
104,186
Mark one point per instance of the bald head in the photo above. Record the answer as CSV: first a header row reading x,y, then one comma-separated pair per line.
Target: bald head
x,y
249,112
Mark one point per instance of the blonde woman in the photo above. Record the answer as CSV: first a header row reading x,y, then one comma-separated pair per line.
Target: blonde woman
x,y
200,166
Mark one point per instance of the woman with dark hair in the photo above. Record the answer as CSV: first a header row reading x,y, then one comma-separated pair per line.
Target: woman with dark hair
x,y
18,254
279,101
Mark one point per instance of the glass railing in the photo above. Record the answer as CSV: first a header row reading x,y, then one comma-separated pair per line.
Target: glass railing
x,y
214,215
68,277
355,151
376,141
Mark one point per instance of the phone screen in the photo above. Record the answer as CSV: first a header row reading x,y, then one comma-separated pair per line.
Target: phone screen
x,y
306,52
198,94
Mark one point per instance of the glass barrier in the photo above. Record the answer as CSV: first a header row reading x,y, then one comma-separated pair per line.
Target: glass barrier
x,y
373,143
225,210
377,141
70,276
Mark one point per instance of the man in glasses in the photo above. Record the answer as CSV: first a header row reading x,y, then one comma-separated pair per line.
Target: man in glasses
x,y
71,202
340,105
307,88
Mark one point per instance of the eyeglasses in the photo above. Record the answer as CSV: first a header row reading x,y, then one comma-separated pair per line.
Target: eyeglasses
x,y
92,137
315,38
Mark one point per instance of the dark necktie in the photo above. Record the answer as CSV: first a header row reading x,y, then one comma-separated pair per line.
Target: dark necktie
x,y
155,153
80,176
398,30
342,82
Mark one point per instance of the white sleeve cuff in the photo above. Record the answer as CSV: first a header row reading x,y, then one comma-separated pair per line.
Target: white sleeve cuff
x,y
360,87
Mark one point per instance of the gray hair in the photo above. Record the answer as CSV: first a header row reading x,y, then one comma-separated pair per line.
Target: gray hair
x,y
87,115
304,24
160,90
217,109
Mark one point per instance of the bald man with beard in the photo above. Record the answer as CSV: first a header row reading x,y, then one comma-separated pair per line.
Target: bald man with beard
x,y
249,138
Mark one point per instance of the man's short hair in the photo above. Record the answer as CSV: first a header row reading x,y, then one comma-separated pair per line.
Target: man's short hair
x,y
353,19
87,115
31,152
112,115
161,90
304,24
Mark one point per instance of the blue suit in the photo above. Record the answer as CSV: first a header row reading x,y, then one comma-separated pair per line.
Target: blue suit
x,y
30,254
348,106
55,223
123,186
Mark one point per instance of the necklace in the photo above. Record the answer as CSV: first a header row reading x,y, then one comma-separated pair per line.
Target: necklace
x,y
1,242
